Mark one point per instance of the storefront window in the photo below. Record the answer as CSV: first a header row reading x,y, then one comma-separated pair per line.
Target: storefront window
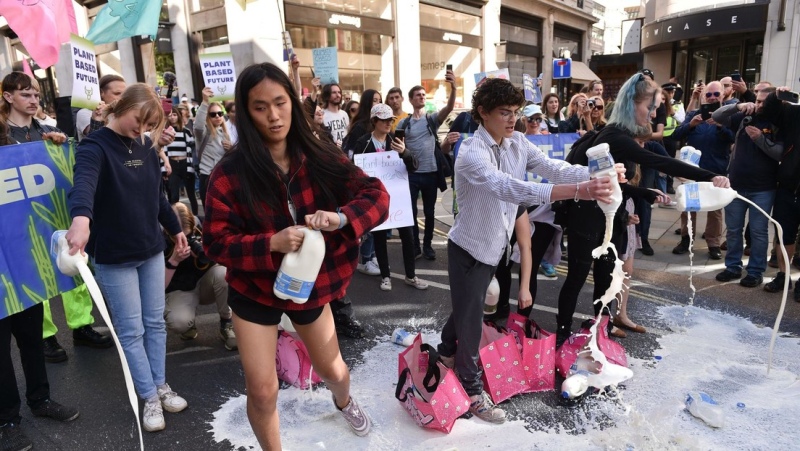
x,y
752,62
702,64
466,62
361,56
201,5
445,19
214,37
369,8
728,60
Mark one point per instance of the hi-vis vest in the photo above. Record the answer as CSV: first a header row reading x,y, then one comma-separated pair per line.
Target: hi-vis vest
x,y
671,125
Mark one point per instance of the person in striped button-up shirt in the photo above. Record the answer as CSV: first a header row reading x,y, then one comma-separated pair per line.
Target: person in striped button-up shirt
x,y
489,184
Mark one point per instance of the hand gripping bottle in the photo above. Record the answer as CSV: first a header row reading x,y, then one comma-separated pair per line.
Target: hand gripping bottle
x,y
703,406
703,196
601,164
300,268
492,297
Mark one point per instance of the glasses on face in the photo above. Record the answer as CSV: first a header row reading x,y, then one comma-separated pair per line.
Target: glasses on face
x,y
598,107
509,115
215,114
535,119
712,94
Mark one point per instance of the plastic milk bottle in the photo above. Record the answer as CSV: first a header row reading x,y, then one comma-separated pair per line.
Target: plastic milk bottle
x,y
601,164
300,268
690,155
704,407
703,196
492,297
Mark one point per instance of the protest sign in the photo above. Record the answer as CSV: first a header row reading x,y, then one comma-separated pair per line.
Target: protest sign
x,y
326,64
288,50
219,74
33,204
499,73
85,81
390,169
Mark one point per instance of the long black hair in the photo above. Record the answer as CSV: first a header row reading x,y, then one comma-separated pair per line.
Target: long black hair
x,y
364,107
260,177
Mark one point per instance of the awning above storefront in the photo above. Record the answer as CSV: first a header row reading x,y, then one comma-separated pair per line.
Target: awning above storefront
x,y
582,74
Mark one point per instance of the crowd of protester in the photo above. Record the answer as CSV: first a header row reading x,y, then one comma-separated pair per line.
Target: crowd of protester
x,y
272,161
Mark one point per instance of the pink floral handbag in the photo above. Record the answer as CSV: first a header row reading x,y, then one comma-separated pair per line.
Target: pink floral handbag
x,y
567,354
292,362
538,349
503,373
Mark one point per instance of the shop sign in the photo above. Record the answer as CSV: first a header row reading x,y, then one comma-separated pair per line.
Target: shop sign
x,y
455,37
713,22
339,19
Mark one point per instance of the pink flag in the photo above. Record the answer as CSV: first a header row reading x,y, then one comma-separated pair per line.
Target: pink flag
x,y
27,67
42,26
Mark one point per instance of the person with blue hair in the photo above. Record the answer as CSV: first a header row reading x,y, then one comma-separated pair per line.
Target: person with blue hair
x,y
636,104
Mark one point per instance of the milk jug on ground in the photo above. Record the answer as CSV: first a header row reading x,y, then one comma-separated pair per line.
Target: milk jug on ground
x,y
300,268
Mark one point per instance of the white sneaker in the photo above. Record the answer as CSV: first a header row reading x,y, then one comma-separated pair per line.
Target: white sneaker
x,y
386,284
369,268
170,400
416,283
153,416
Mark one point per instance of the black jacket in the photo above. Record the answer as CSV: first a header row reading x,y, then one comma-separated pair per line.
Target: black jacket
x,y
365,145
787,118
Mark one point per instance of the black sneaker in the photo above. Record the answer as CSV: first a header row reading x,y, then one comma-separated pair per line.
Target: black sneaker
x,y
53,352
727,276
796,262
677,231
751,281
349,328
429,253
715,253
56,411
646,248
13,439
682,247
776,285
87,336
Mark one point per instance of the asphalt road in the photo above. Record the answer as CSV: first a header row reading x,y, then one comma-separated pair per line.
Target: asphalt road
x,y
206,374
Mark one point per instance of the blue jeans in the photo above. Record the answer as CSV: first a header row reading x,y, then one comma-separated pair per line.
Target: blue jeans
x,y
424,183
367,248
135,295
759,231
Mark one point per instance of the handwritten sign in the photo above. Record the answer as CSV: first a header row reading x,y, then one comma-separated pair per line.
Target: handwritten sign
x,y
326,64
219,74
85,82
390,169
531,87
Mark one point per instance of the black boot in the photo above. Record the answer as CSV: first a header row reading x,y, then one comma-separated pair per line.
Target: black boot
x,y
87,336
682,247
776,285
563,331
53,352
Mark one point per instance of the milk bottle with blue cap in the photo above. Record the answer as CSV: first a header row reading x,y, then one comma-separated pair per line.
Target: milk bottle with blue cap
x,y
300,268
601,164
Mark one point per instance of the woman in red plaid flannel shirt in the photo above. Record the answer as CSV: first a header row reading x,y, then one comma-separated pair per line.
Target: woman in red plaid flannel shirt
x,y
276,180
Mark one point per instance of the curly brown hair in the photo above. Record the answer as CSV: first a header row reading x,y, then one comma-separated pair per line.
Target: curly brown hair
x,y
493,93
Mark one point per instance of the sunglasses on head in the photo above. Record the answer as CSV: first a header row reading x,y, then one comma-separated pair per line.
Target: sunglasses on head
x,y
215,114
649,73
712,94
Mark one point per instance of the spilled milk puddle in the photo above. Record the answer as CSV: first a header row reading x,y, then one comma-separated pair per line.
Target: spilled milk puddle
x,y
720,354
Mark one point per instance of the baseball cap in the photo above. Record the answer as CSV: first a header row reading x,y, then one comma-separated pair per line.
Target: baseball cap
x,y
531,110
669,86
381,111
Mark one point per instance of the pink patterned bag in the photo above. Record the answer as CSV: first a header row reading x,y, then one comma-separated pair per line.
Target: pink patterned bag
x,y
429,391
292,362
503,373
538,349
567,354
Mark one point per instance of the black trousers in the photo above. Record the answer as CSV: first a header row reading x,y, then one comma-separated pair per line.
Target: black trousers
x,y
580,261
461,335
382,253
203,189
181,176
540,241
26,326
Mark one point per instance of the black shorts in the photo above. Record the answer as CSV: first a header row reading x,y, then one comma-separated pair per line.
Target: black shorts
x,y
256,312
786,211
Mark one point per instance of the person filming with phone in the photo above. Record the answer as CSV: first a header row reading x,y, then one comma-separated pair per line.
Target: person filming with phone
x,y
714,143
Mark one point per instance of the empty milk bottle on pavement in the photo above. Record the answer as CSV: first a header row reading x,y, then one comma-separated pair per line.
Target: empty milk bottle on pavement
x,y
300,268
403,337
704,407
492,297
576,384
703,196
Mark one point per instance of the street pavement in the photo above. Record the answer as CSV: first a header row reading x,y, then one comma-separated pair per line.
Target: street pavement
x,y
207,375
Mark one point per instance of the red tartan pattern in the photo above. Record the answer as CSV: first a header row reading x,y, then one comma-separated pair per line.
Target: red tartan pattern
x,y
233,238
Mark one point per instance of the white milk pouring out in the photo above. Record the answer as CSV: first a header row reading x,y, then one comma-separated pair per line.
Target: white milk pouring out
x,y
300,268
704,196
601,164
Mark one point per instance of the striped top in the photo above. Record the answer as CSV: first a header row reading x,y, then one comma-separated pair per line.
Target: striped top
x,y
486,173
182,146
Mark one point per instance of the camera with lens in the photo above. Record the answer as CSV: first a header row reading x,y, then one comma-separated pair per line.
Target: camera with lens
x,y
196,245
747,120
590,104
